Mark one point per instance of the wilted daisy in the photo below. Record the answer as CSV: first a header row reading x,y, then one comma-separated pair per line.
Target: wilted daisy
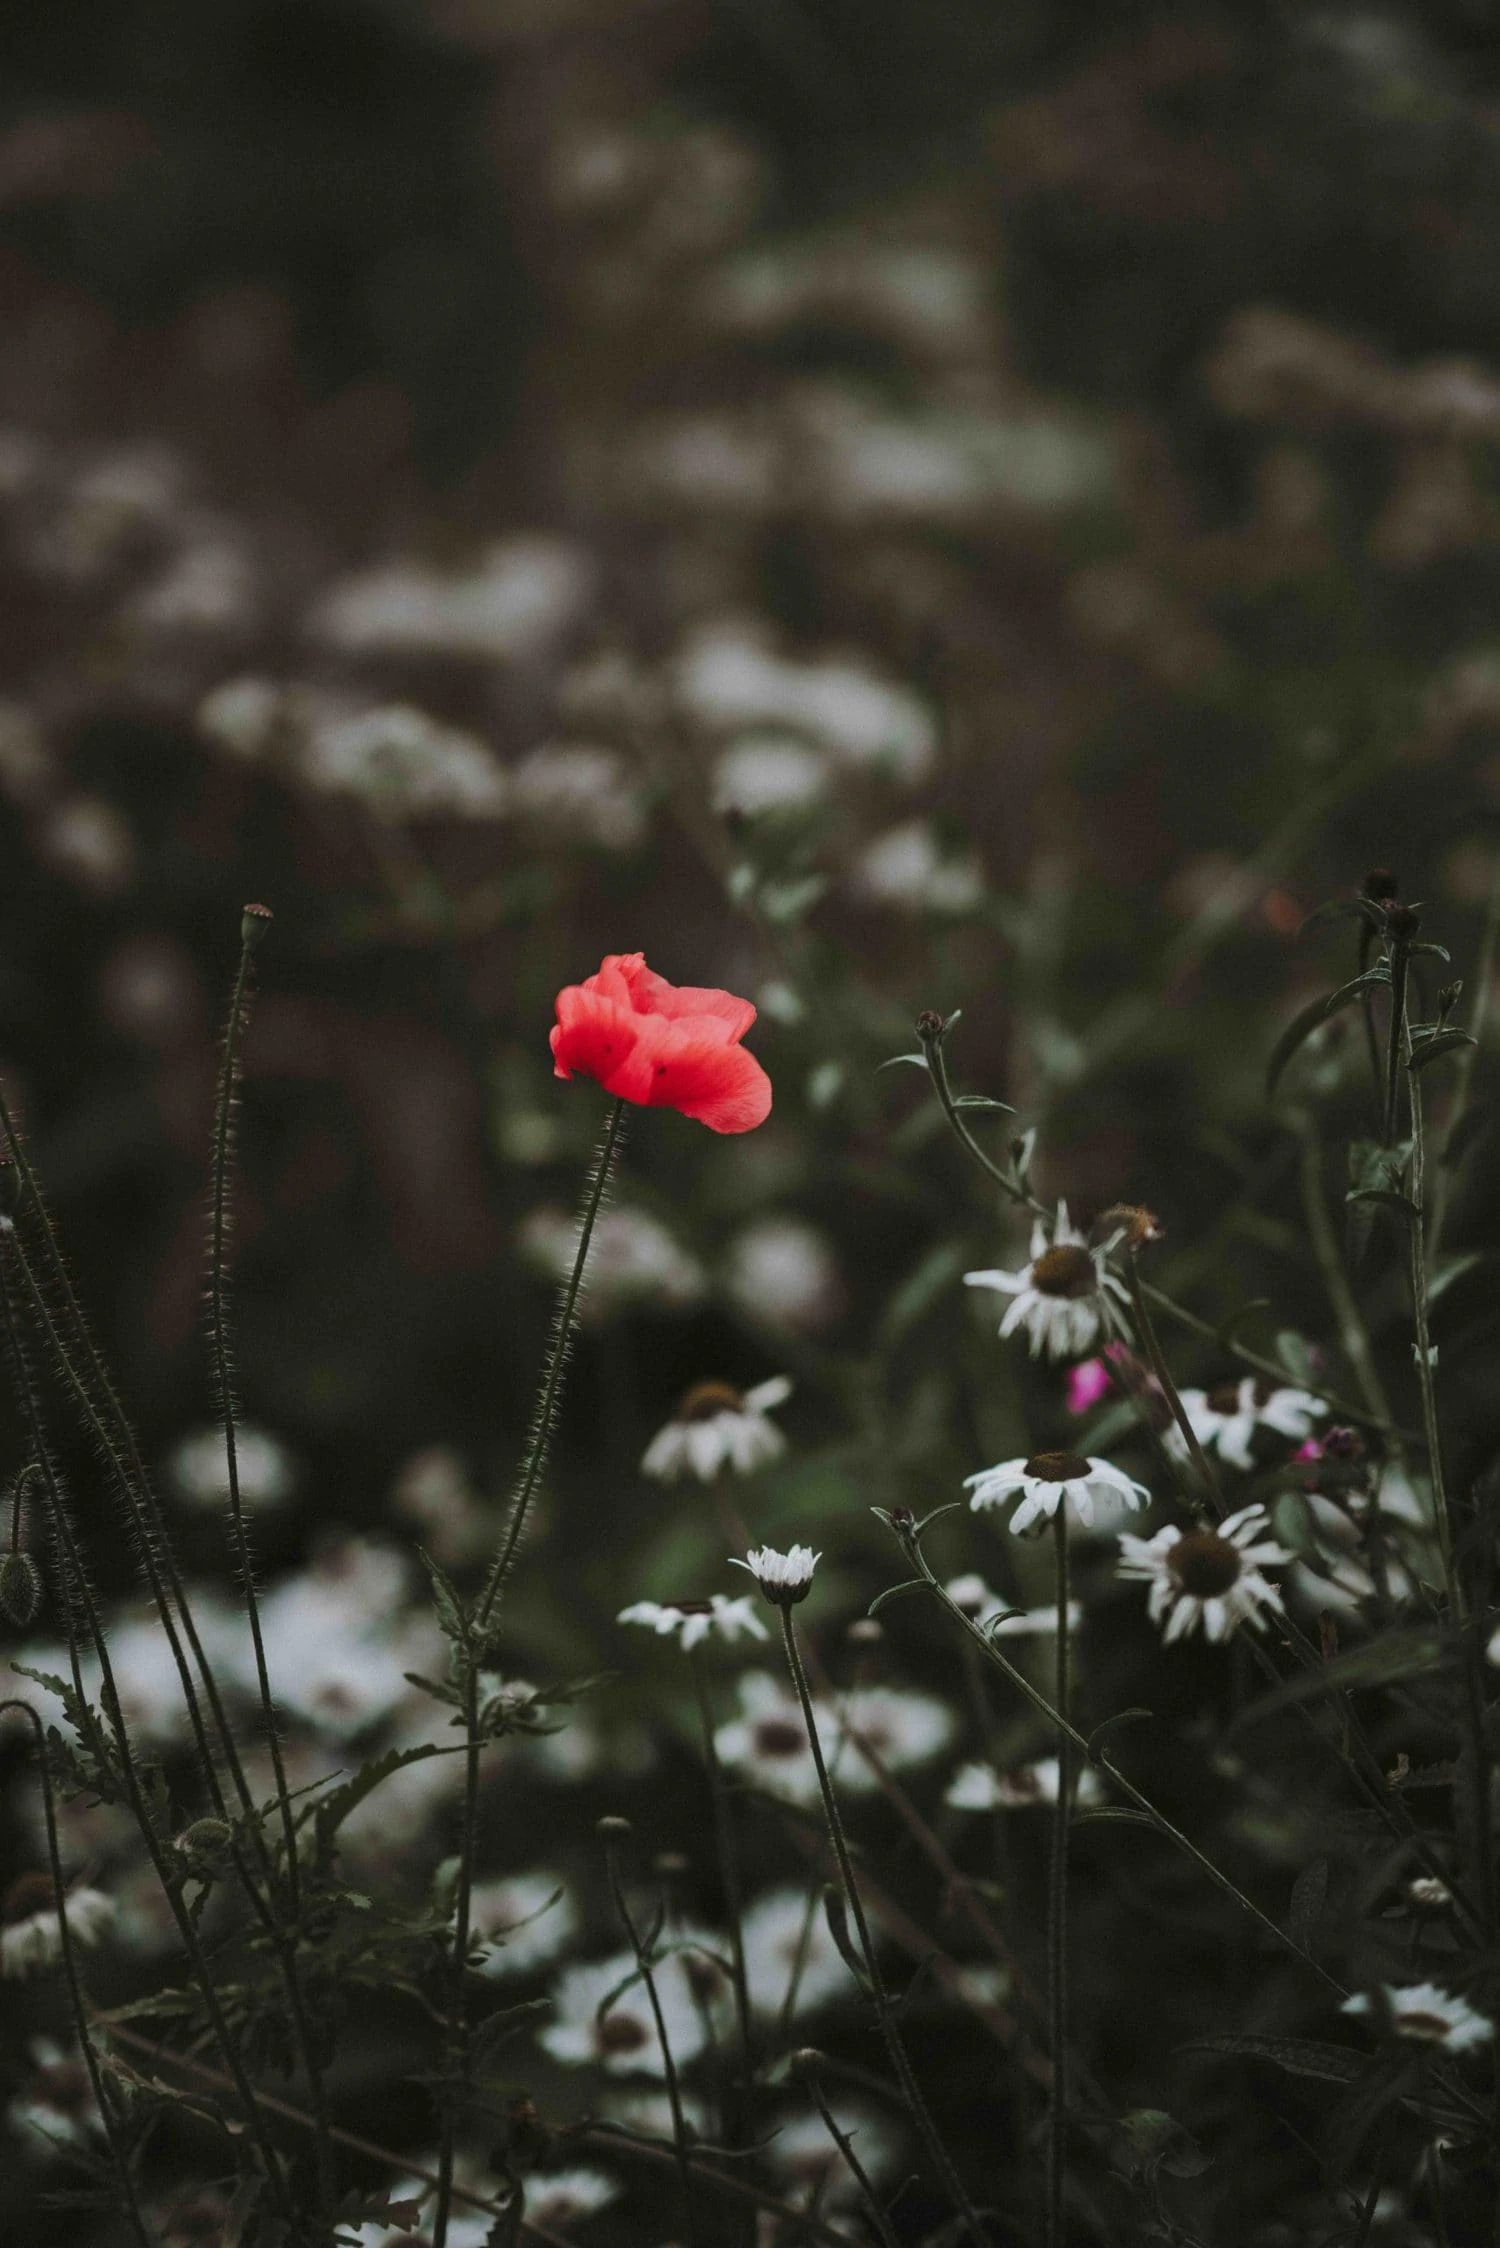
x,y
1049,1480
596,2021
792,1963
1058,1297
716,1427
784,1578
1225,1418
1207,1576
691,1621
524,1920
31,1930
1425,2014
979,1787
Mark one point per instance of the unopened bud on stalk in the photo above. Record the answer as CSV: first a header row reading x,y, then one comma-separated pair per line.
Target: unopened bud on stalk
x,y
1129,1225
1403,922
902,1519
929,1024
205,1838
807,2061
255,924
1380,885
20,1589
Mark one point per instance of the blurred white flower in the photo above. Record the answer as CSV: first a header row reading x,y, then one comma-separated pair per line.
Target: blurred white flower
x,y
89,843
974,1597
768,772
781,1272
729,679
716,1427
338,1640
900,1727
1049,1480
767,1743
1425,2014
583,792
199,1468
905,868
1057,1298
634,1259
54,2107
403,765
511,605
792,1964
31,1936
524,1919
690,1622
555,2198
979,1787
1225,1418
211,585
804,2157
1207,1576
433,1492
595,2021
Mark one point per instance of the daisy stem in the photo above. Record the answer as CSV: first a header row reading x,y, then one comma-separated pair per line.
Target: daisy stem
x,y
1044,1708
845,2145
729,1865
1398,1035
642,1951
1464,1061
1057,1910
107,2116
1156,1357
1417,1268
471,1653
879,1996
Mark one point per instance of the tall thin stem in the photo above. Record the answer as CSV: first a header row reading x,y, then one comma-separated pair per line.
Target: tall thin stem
x,y
1057,1909
729,1864
1463,1067
470,1655
895,2045
1426,1384
117,2151
612,1830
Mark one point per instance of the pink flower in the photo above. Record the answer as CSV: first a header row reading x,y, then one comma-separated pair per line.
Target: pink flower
x,y
1088,1382
662,1045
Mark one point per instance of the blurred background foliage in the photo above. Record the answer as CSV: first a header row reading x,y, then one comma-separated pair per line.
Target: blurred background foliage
x,y
880,506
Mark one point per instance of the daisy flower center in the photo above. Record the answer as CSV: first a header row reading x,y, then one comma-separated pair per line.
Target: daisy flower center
x,y
1066,1270
706,1400
1057,1467
621,2033
1204,1564
1223,1398
777,1736
1430,2027
29,1893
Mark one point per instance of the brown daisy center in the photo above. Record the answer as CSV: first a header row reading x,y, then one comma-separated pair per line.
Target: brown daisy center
x,y
1065,1270
777,1736
29,1893
1204,1564
705,1977
1223,1398
621,2033
706,1400
1057,1467
1430,2027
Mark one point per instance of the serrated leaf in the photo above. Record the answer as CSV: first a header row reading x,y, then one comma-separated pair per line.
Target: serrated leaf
x,y
1441,1042
331,1810
1311,1018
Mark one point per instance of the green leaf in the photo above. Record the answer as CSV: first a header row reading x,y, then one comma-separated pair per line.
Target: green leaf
x,y
1431,951
894,1592
1295,1353
1344,909
983,1100
1419,1651
1309,1895
918,1061
1299,2056
331,1810
1292,1521
1385,1198
1093,1746
1302,1026
1441,1043
447,1602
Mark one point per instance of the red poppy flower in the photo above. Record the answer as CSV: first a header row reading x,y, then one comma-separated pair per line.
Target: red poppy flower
x,y
662,1045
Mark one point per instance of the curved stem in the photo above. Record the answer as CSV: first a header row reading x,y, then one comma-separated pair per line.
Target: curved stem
x,y
118,2155
880,1998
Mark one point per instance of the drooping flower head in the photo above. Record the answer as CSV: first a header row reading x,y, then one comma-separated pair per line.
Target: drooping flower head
x,y
1049,1480
716,1427
662,1045
690,1621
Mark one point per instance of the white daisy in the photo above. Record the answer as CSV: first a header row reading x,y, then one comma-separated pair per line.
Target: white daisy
x,y
199,1467
557,2197
792,1963
1058,1297
1207,1576
595,2021
979,1787
1425,2014
56,2099
691,1621
716,1427
899,1727
1426,1892
803,2155
1049,1480
524,1920
1225,1418
31,1929
784,1578
767,1743
975,1598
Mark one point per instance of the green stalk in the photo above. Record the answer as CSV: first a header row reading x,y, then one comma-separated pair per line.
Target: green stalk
x,y
118,2155
1463,1067
845,2144
1427,1387
729,1868
880,1998
1057,1912
611,1830
471,1653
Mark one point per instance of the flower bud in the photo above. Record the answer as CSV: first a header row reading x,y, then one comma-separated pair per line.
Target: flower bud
x,y
1403,922
929,1024
205,1838
255,924
1381,885
20,1589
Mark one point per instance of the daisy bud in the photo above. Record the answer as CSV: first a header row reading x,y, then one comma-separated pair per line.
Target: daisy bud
x,y
205,1838
1403,922
929,1024
1381,885
902,1520
255,924
20,1589
1448,999
807,2061
784,1578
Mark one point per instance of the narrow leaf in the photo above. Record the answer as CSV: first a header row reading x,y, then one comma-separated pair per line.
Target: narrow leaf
x,y
1302,1026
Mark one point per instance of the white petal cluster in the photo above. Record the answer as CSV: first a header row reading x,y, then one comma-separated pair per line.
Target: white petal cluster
x,y
1225,1419
1048,1480
979,1787
31,1942
690,1622
1425,2014
784,1578
596,2022
792,1964
1208,1578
